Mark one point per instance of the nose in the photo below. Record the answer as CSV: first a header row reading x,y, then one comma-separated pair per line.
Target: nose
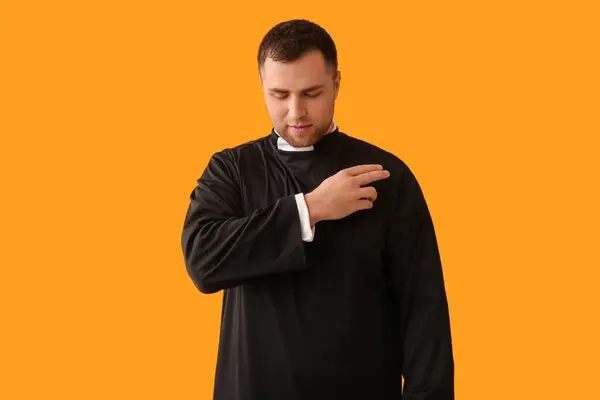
x,y
296,109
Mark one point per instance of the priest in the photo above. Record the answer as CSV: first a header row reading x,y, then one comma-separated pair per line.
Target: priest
x,y
323,246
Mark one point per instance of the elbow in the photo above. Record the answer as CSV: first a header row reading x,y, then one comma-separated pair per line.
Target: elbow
x,y
197,267
205,286
204,283
201,277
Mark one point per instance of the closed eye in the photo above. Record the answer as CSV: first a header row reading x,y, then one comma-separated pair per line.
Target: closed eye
x,y
285,95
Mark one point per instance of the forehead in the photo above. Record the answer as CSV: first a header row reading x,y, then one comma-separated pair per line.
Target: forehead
x,y
310,69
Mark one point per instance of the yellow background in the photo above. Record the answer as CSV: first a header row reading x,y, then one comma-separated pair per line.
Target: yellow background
x,y
110,110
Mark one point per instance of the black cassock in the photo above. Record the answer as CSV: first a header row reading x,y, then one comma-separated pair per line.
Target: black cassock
x,y
341,317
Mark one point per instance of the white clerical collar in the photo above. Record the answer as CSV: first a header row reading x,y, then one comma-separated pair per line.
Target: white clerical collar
x,y
282,144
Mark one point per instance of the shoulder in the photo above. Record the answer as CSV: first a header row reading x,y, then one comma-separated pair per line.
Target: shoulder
x,y
402,183
235,154
233,157
366,152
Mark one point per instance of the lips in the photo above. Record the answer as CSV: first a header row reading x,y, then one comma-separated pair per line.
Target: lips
x,y
300,128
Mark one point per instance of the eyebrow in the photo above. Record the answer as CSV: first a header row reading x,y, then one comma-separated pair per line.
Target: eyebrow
x,y
308,89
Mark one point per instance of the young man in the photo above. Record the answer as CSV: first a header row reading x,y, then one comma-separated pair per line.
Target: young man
x,y
324,247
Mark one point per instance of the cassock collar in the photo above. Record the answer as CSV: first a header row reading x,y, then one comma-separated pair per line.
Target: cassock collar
x,y
282,144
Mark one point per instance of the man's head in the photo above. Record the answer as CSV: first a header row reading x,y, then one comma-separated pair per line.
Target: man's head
x,y
297,63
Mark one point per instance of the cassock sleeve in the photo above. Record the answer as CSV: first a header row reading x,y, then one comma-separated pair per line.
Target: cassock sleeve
x,y
222,247
421,309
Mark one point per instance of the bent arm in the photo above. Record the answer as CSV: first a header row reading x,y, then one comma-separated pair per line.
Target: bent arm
x,y
222,248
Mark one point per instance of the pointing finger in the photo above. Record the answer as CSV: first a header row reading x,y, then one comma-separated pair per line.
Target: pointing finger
x,y
372,176
361,169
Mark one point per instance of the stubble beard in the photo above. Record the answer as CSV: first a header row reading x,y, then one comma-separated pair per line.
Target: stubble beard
x,y
305,141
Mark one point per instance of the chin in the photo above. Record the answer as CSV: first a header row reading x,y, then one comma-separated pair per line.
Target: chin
x,y
302,139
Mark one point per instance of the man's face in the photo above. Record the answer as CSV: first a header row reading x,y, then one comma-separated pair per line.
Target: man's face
x,y
300,97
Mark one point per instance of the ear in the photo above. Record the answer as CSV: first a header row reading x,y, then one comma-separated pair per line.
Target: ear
x,y
336,82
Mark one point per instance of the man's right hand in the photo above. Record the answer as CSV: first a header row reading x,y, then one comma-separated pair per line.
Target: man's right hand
x,y
343,193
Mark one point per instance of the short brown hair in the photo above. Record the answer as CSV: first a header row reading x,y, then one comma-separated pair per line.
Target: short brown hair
x,y
289,40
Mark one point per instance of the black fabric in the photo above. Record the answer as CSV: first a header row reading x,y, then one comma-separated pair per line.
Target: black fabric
x,y
342,317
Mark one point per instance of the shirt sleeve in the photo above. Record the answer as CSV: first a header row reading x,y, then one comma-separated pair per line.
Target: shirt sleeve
x,y
222,246
421,314
308,231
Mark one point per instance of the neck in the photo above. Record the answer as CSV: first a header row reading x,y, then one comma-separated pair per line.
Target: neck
x,y
330,128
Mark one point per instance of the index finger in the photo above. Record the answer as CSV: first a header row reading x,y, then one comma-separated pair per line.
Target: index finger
x,y
371,176
361,169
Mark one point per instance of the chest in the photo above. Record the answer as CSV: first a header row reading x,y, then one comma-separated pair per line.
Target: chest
x,y
361,235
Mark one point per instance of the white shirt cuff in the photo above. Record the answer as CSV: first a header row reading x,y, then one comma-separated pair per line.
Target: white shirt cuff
x,y
308,232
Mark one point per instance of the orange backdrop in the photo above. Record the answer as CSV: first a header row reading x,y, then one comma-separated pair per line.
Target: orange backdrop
x,y
111,109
